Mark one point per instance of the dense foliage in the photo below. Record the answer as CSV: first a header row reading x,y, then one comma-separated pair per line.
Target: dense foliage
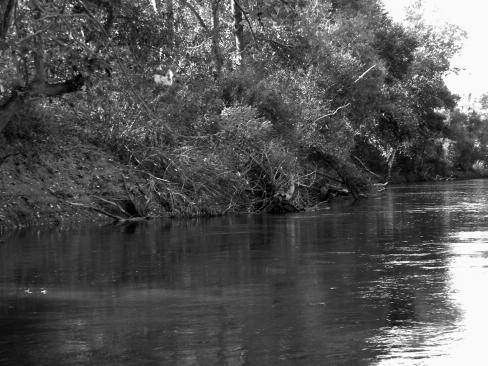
x,y
233,104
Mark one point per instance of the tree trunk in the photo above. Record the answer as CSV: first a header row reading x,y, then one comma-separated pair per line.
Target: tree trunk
x,y
282,201
13,104
7,9
38,51
351,178
217,53
170,11
391,162
8,109
238,31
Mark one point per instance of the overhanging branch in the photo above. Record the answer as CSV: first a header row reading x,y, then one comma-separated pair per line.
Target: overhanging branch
x,y
332,113
109,8
13,103
347,104
197,15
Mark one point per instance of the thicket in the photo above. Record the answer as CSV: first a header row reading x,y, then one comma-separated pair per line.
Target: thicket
x,y
230,106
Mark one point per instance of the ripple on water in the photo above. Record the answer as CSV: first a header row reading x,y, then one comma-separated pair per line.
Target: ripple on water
x,y
399,280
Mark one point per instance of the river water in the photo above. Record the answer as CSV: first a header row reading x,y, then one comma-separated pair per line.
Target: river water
x,y
394,280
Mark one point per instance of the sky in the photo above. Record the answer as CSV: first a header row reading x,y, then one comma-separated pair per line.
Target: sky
x,y
470,15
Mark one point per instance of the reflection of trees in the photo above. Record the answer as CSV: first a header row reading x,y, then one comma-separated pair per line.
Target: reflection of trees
x,y
236,290
401,307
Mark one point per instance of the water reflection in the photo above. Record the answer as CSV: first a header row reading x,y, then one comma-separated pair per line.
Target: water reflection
x,y
393,280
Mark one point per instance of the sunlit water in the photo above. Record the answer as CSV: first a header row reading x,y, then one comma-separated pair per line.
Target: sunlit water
x,y
396,280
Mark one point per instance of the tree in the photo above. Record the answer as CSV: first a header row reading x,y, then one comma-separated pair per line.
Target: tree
x,y
238,17
49,29
7,9
326,74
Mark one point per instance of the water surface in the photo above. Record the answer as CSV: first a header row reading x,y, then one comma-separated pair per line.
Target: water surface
x,y
395,280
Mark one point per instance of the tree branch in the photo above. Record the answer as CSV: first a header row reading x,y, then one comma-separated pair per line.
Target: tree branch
x,y
96,209
55,89
13,104
197,15
276,44
365,167
107,5
364,73
347,104
247,20
332,113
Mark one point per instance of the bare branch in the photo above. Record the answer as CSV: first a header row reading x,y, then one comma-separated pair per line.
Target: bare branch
x,y
364,73
109,8
332,113
247,20
13,104
96,209
35,34
365,167
347,104
197,15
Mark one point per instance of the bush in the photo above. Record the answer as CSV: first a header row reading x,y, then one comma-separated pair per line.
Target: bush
x,y
29,123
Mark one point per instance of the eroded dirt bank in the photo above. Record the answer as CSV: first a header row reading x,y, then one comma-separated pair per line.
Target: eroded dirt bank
x,y
45,180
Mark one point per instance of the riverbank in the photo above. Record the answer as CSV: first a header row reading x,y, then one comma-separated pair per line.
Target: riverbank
x,y
144,116
57,168
53,176
58,174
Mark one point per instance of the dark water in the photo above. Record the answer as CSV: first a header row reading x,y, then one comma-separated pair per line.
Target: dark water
x,y
396,280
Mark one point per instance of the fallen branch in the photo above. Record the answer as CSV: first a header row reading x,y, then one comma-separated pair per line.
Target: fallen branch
x,y
117,219
153,176
96,209
365,167
380,187
364,74
332,113
318,206
330,177
114,204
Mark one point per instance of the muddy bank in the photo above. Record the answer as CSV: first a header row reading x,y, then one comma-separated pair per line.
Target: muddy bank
x,y
47,179
59,175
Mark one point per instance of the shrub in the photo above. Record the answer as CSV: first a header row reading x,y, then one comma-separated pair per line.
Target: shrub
x,y
29,123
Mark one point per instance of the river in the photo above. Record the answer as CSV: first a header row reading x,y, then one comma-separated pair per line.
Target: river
x,y
394,280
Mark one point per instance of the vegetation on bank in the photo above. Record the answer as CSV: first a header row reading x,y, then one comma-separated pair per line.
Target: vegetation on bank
x,y
209,107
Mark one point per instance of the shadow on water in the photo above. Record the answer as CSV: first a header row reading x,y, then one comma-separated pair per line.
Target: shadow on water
x,y
365,283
